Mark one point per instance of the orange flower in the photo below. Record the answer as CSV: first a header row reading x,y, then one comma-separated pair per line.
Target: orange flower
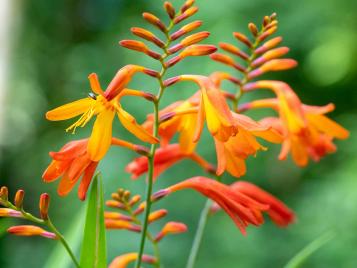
x,y
307,131
231,154
164,158
104,105
124,260
243,208
278,212
31,230
212,108
73,162
171,228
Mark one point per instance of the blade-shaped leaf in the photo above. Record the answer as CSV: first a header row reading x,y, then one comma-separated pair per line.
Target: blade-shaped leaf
x,y
94,251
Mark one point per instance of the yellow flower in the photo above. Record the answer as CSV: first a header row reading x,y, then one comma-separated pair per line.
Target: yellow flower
x,y
104,105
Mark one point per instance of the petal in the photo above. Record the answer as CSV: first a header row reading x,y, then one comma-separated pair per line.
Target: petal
x,y
221,157
66,184
86,180
70,110
200,121
94,84
101,137
55,170
132,126
328,126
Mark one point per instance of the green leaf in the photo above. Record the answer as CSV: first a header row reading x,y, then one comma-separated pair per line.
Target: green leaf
x,y
94,250
307,251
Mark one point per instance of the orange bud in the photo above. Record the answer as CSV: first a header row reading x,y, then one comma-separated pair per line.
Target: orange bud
x,y
135,199
187,5
266,20
7,212
189,40
44,205
170,10
267,33
140,209
188,13
273,16
186,29
156,215
126,195
152,19
124,260
4,193
234,50
271,25
241,37
147,35
139,46
269,45
271,54
273,65
171,228
116,216
115,204
227,60
253,29
120,224
198,50
30,230
19,198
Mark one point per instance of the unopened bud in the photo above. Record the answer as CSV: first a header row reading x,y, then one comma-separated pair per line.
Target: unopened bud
x,y
116,216
30,230
198,50
273,65
135,199
188,13
271,54
227,60
141,47
171,228
269,45
152,73
273,16
241,37
186,29
234,50
4,194
253,29
267,33
126,195
44,205
8,212
156,215
140,209
170,10
115,204
187,5
171,81
147,35
266,20
119,224
152,19
159,194
19,198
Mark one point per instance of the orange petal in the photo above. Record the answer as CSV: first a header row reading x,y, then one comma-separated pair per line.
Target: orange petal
x,y
70,110
86,180
221,157
94,84
101,137
55,170
328,126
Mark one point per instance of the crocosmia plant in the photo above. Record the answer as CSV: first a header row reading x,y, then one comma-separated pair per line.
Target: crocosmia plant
x,y
171,134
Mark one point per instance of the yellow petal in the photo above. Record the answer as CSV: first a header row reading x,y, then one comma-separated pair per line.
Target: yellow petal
x,y
328,126
70,110
132,126
101,137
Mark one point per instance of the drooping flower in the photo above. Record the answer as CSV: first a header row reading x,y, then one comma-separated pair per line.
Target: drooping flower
x,y
73,162
278,212
164,158
231,154
307,132
124,260
243,208
212,108
104,105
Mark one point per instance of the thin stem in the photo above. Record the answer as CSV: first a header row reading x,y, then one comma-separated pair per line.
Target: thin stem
x,y
199,234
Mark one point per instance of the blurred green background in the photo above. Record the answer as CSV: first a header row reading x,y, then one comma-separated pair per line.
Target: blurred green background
x,y
56,44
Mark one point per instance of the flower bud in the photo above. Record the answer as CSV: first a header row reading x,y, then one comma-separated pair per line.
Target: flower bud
x,y
189,40
269,45
124,260
234,50
273,65
140,209
253,29
135,199
198,50
156,215
187,5
170,10
120,224
115,204
171,228
4,194
30,230
186,29
152,19
159,194
241,37
8,212
267,33
171,81
44,205
147,35
271,54
19,198
126,195
141,47
227,60
266,20
116,216
188,13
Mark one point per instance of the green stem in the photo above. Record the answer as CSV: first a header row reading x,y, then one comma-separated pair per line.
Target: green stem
x,y
199,234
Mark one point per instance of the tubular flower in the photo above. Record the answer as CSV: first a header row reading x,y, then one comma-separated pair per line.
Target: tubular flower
x,y
242,209
212,108
124,260
278,212
164,158
104,105
231,154
307,131
73,162
178,117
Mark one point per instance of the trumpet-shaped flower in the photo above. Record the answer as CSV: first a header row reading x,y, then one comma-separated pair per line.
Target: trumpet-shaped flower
x,y
104,105
231,154
73,162
164,158
307,131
